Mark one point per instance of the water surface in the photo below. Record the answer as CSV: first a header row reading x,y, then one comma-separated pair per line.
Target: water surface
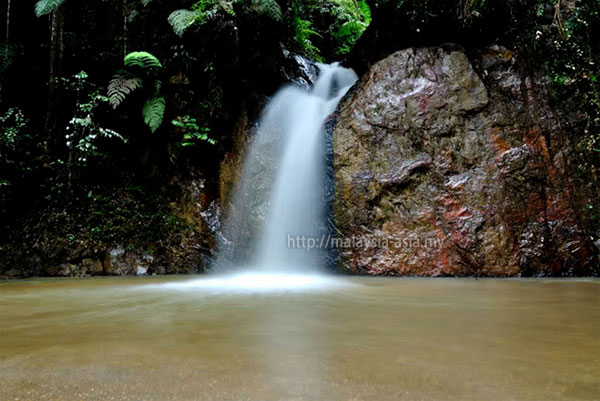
x,y
342,338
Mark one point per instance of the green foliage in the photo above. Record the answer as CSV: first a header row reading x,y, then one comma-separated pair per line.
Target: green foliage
x,y
268,8
83,132
181,20
339,22
328,28
303,33
8,53
19,147
44,7
13,123
207,10
153,112
130,213
192,132
200,13
121,85
142,59
351,21
563,38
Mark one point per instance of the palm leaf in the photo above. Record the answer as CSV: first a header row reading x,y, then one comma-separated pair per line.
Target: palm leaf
x,y
120,86
153,112
181,20
44,7
142,59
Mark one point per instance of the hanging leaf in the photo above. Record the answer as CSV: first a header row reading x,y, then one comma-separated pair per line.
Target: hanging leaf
x,y
181,20
120,86
153,112
44,7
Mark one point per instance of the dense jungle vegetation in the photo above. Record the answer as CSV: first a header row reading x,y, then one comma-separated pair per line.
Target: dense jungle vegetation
x,y
107,106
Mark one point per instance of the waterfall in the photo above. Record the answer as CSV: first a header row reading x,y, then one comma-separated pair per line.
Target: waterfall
x,y
277,219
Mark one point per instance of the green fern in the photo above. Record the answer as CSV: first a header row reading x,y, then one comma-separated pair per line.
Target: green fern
x,y
142,59
268,8
145,2
7,55
120,86
201,12
44,7
303,33
181,20
153,112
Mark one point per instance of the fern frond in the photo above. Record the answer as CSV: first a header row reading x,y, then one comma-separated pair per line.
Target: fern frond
x,y
181,20
268,8
7,55
145,2
142,59
44,7
153,112
120,86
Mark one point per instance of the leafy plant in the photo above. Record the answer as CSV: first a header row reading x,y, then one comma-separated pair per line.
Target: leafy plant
x,y
204,11
192,131
8,53
268,8
13,123
143,67
83,131
153,112
352,20
44,7
303,33
120,86
180,20
200,13
331,25
19,148
142,59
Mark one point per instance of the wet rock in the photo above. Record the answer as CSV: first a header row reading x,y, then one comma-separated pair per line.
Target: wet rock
x,y
92,267
65,270
87,267
399,176
116,264
307,72
446,172
141,270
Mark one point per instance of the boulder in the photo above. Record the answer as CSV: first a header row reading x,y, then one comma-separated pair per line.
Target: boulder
x,y
444,168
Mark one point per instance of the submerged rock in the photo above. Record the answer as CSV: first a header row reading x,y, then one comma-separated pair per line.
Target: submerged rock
x,y
441,173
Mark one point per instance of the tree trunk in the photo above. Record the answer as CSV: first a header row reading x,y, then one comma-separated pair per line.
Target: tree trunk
x,y
56,58
7,21
125,16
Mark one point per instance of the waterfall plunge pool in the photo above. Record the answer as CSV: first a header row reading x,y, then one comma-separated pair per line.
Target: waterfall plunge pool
x,y
320,338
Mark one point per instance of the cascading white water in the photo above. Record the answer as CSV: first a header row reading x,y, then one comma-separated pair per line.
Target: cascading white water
x,y
280,197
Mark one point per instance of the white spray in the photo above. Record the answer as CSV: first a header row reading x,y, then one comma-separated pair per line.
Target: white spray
x,y
280,197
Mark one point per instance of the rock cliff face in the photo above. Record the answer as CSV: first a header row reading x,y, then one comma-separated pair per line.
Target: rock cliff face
x,y
447,166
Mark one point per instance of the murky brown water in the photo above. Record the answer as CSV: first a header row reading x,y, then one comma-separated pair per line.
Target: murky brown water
x,y
358,339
